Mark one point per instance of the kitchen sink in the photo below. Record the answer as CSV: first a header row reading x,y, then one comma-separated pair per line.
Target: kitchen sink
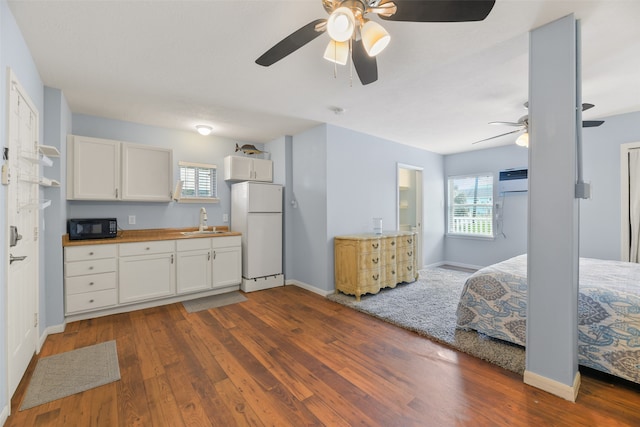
x,y
201,233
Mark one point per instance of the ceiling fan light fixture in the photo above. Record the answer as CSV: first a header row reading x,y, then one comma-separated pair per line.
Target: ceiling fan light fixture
x,y
337,52
374,37
523,140
204,129
341,24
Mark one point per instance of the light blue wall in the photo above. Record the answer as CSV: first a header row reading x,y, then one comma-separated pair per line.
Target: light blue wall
x,y
343,179
187,146
57,124
14,54
600,216
483,252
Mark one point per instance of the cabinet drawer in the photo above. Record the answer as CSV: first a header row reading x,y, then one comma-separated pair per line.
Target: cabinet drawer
x,y
371,278
91,300
89,267
370,245
193,244
390,257
84,253
405,255
389,244
146,248
90,283
225,242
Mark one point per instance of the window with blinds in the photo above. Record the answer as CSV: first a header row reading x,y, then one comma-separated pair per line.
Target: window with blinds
x,y
470,205
199,181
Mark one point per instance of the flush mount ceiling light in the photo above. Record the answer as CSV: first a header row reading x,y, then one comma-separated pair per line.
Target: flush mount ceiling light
x,y
204,129
365,38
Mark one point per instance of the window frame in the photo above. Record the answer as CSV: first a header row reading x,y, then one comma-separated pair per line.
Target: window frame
x,y
181,198
490,206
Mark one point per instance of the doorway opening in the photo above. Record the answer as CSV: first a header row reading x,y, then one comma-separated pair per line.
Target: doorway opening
x,y
409,203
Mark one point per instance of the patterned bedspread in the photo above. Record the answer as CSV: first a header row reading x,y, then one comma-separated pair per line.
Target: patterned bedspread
x,y
494,302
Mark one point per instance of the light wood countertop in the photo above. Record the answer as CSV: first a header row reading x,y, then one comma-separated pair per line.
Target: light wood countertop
x,y
130,236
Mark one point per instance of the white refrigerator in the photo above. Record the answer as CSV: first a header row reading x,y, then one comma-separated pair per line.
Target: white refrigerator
x,y
256,212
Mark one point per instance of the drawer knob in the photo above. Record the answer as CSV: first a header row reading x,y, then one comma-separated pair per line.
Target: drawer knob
x,y
90,283
393,272
90,253
393,243
147,248
91,268
91,301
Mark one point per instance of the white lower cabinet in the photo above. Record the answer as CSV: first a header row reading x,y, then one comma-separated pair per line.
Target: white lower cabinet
x,y
146,270
194,265
106,276
227,261
90,278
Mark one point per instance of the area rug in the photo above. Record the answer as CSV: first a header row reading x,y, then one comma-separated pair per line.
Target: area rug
x,y
64,374
428,307
213,301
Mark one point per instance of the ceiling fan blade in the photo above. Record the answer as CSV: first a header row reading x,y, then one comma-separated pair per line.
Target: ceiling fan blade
x,y
497,136
365,65
592,123
507,123
292,42
440,10
586,106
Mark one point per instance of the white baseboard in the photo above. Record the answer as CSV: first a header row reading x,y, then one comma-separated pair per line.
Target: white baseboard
x,y
567,392
308,287
462,265
4,415
55,329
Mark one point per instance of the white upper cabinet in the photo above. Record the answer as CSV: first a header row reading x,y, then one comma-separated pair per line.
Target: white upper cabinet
x,y
147,173
102,169
93,169
238,168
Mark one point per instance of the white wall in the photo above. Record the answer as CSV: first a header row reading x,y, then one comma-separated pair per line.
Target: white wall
x,y
483,252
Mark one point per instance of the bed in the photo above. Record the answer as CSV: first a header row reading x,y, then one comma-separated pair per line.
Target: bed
x,y
494,302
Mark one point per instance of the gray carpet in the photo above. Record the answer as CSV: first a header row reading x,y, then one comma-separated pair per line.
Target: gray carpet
x,y
213,301
64,374
428,307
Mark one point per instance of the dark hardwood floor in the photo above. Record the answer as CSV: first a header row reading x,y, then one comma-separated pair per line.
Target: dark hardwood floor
x,y
288,357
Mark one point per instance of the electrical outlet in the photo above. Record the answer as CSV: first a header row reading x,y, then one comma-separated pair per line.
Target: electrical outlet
x,y
225,217
132,219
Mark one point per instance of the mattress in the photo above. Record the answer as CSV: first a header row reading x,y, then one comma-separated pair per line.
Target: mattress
x,y
494,302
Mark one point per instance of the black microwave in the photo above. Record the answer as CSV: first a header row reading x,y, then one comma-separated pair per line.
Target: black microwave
x,y
92,228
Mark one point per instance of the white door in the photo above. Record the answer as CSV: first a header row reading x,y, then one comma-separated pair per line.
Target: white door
x,y
263,251
22,217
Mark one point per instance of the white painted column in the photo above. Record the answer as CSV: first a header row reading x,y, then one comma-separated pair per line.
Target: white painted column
x,y
552,359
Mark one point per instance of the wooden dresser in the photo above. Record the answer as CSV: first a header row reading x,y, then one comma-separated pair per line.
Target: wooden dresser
x,y
366,263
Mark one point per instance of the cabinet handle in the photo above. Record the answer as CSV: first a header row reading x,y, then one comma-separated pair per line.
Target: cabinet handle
x,y
393,243
90,253
375,245
91,267
116,193
208,256
214,254
147,248
410,253
393,272
91,301
409,267
409,240
90,283
393,257
375,276
375,260
171,258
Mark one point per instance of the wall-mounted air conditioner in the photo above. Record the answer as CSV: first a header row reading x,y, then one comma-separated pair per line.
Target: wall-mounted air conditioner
x,y
513,180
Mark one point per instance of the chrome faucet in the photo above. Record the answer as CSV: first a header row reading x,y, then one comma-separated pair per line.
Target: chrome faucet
x,y
203,219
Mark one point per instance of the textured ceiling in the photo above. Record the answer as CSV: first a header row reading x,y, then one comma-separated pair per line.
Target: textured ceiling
x,y
176,64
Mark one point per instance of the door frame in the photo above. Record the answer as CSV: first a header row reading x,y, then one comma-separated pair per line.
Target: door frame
x,y
625,237
14,84
419,207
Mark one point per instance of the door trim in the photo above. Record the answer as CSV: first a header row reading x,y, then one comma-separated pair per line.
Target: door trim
x,y
419,207
624,198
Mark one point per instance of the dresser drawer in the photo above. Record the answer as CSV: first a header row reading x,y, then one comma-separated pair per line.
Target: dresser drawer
x,y
91,300
372,245
89,267
90,283
85,253
369,260
146,248
405,254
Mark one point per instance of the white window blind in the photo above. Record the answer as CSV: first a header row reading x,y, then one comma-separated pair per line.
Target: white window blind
x,y
470,205
199,180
